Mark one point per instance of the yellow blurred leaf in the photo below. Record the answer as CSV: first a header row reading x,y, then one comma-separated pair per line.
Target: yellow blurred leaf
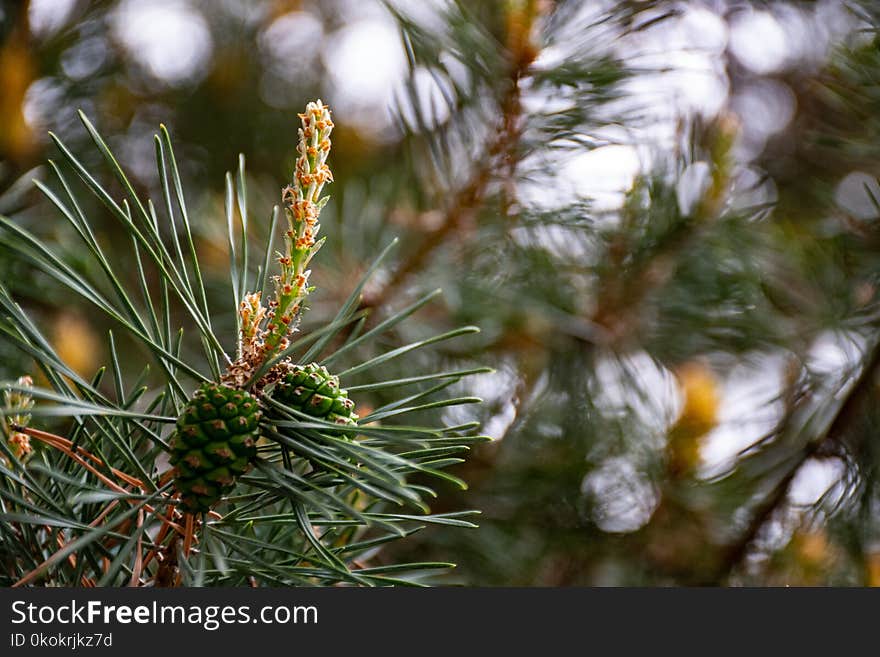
x,y
76,343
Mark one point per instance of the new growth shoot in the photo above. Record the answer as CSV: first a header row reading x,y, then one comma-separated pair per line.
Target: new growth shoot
x,y
302,206
302,202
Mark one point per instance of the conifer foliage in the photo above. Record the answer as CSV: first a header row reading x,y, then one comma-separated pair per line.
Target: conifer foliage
x,y
661,215
264,475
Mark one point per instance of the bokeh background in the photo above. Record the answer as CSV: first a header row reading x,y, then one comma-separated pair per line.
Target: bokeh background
x,y
662,215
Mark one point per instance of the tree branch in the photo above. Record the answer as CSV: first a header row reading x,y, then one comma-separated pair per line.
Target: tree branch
x,y
846,415
499,155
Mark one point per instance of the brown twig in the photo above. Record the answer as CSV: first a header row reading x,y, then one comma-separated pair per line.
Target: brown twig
x,y
843,419
160,536
187,543
619,304
80,456
67,447
30,576
166,574
86,459
188,535
499,156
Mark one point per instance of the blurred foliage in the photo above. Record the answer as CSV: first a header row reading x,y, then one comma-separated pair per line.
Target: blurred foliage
x,y
684,377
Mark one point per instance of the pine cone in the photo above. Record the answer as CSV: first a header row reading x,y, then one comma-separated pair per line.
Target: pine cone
x,y
215,442
311,389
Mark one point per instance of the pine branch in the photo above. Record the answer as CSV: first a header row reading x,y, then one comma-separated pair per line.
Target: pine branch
x,y
848,414
500,153
653,264
283,486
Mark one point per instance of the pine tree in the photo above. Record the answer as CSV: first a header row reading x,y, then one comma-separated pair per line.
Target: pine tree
x,y
727,294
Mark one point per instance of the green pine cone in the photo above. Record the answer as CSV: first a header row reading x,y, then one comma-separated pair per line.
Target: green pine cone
x,y
215,442
311,389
